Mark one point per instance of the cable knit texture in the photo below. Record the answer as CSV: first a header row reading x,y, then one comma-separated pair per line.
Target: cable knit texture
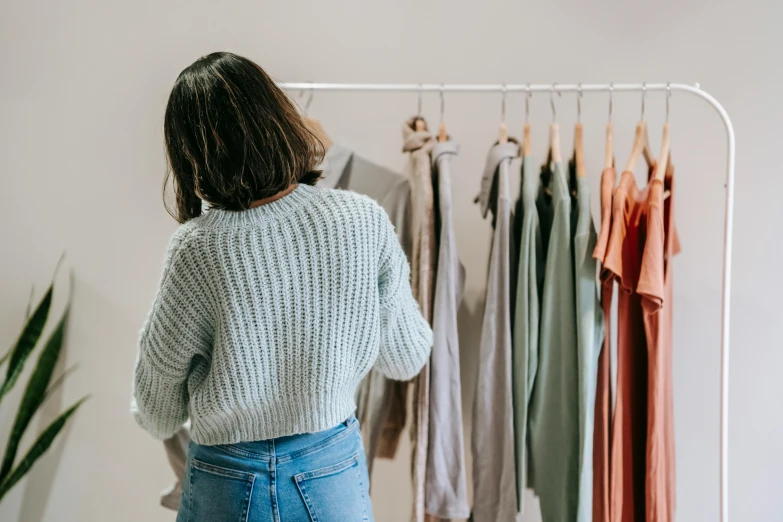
x,y
267,319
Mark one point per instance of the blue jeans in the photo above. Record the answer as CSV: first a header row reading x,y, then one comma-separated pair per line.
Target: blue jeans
x,y
314,476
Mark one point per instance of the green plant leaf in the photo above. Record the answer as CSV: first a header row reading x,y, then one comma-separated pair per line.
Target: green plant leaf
x,y
29,303
26,342
34,393
38,448
5,356
59,380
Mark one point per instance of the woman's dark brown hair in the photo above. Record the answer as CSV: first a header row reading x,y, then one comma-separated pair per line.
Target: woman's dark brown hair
x,y
233,137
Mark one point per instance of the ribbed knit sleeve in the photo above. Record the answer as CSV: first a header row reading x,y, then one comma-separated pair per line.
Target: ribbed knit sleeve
x,y
406,338
177,331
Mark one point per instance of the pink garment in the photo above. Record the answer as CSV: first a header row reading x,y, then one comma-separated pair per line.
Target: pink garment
x,y
419,144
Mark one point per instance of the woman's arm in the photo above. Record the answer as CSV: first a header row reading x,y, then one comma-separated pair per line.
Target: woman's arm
x,y
177,329
406,338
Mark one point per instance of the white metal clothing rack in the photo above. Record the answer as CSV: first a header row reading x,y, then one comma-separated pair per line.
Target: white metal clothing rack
x,y
618,87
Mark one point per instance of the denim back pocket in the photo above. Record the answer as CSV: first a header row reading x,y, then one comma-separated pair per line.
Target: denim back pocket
x,y
218,493
334,493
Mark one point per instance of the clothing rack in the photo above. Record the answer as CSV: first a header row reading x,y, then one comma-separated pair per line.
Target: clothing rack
x,y
619,87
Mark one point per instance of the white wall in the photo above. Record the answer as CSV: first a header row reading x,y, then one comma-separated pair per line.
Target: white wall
x,y
82,92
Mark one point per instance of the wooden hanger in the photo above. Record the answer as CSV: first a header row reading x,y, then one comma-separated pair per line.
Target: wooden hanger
x,y
554,142
442,135
641,146
554,131
318,131
314,125
579,148
579,152
609,154
641,143
526,129
663,159
419,124
502,133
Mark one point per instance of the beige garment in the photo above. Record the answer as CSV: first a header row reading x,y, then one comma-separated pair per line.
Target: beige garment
x,y
419,170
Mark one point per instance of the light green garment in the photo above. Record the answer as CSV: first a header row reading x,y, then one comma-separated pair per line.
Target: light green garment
x,y
526,315
590,335
553,422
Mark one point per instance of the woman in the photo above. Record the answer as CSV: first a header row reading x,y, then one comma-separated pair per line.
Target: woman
x,y
272,307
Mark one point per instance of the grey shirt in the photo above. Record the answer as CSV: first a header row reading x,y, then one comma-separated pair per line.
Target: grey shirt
x,y
494,481
446,485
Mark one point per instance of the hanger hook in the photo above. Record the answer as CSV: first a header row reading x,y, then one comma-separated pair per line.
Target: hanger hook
x,y
418,107
611,100
668,95
552,91
503,103
579,102
644,95
442,102
527,102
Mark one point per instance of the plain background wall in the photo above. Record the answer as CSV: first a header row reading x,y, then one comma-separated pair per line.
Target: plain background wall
x,y
83,85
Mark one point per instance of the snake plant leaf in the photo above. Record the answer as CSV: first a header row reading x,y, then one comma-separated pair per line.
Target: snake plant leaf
x,y
7,354
39,447
26,342
34,393
59,380
29,304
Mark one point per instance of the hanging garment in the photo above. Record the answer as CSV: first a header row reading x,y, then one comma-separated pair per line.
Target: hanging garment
x,y
603,395
554,407
418,145
376,395
530,279
629,425
381,402
446,487
655,287
494,481
590,334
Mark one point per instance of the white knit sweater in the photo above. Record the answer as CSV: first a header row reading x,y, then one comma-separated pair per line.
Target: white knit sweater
x,y
267,319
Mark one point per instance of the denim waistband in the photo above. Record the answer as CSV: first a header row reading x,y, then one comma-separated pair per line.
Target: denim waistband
x,y
293,446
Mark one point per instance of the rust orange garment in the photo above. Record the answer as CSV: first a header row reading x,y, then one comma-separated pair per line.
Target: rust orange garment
x,y
655,287
629,425
642,240
603,398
